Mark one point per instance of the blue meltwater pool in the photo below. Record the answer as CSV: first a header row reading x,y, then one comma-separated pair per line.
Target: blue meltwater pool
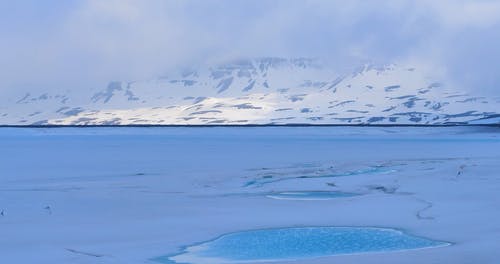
x,y
308,195
297,244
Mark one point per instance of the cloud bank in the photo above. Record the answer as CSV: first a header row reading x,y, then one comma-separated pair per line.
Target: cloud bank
x,y
84,44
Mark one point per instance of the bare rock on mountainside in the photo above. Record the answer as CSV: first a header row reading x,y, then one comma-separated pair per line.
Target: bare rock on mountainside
x,y
261,91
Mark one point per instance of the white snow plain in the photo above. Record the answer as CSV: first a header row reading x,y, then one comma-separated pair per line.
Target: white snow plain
x,y
131,195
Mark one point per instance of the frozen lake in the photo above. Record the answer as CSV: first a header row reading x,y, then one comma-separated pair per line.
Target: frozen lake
x,y
134,195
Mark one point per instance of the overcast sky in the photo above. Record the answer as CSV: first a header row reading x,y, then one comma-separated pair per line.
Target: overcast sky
x,y
81,44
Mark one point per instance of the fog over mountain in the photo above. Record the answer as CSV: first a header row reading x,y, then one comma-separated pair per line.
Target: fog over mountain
x,y
268,90
79,48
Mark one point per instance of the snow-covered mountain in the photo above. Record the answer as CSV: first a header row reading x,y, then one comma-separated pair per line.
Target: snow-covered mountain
x,y
261,91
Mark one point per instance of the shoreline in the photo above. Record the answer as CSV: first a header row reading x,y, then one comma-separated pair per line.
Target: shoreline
x,y
254,125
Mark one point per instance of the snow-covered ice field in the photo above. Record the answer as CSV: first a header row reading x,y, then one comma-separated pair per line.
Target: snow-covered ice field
x,y
142,195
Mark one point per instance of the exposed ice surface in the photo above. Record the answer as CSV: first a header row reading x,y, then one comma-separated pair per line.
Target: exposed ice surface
x,y
308,196
267,179
298,243
130,195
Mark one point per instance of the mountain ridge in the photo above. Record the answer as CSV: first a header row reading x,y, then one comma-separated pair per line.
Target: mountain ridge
x,y
262,91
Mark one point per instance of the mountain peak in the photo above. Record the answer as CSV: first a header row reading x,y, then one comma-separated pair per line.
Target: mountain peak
x,y
262,91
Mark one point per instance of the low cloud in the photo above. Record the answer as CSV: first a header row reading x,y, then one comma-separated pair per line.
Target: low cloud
x,y
84,44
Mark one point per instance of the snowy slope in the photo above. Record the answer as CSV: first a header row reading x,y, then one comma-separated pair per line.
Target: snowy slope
x,y
261,91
